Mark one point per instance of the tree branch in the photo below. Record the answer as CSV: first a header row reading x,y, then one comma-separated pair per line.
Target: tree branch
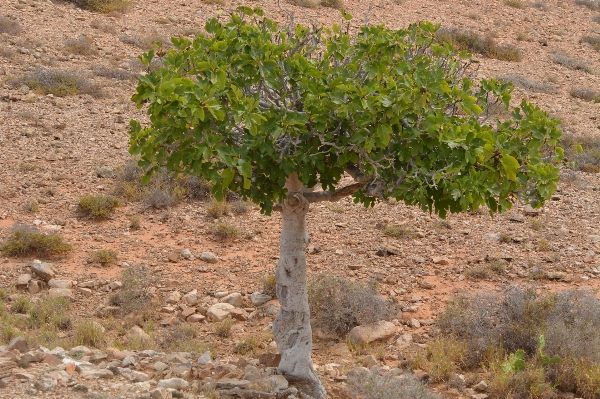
x,y
356,173
333,196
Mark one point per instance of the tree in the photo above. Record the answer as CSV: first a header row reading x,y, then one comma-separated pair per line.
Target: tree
x,y
276,112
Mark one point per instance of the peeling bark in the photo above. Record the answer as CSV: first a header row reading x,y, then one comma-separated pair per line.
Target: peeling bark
x,y
291,328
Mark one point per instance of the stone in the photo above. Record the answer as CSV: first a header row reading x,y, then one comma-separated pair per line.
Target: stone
x,y
235,299
6,367
173,297
94,373
84,291
18,343
161,393
195,318
46,383
425,284
209,257
191,298
205,358
369,361
183,370
80,351
187,254
137,334
52,360
186,312
173,383
414,323
219,311
137,376
498,256
440,260
271,383
481,386
61,293
232,383
23,281
173,257
479,396
35,286
239,314
43,270
269,359
33,356
258,298
373,332
115,285
56,283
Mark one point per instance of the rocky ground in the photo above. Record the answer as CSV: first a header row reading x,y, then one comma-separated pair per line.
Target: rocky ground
x,y
55,150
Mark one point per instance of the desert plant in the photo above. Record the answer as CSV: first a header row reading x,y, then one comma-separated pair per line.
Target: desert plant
x,y
339,4
582,152
24,240
386,384
240,206
223,328
269,285
21,305
514,4
98,206
585,93
224,230
114,73
570,62
594,41
306,3
529,84
444,357
104,6
216,209
250,345
135,223
182,338
32,206
475,43
398,231
219,2
9,26
104,257
84,45
338,304
135,294
591,4
89,333
50,312
58,83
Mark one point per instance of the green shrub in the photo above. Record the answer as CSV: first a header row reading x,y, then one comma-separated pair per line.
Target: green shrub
x,y
337,304
51,313
105,257
24,240
474,43
444,357
98,206
58,83
21,305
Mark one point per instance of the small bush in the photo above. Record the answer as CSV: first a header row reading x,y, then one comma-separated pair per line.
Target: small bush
x,y
32,206
182,338
58,83
486,270
134,295
386,384
89,333
337,304
528,84
339,4
21,305
219,2
594,41
98,206
24,240
216,209
50,313
135,223
269,285
84,45
573,63
223,328
585,94
240,206
514,4
591,4
9,26
104,6
114,73
583,152
474,43
145,41
596,19
224,230
444,357
306,3
105,257
252,344
396,231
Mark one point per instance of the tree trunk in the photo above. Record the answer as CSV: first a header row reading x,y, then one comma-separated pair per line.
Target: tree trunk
x,y
291,328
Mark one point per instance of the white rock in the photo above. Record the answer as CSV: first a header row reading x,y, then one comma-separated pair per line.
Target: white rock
x,y
372,332
235,299
219,311
191,298
209,257
258,298
173,383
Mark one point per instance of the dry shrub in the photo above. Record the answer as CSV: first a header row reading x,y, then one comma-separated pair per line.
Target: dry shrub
x,y
586,160
269,285
9,26
98,206
224,230
135,295
219,2
145,40
252,344
104,6
223,328
182,338
216,209
529,84
104,257
591,4
585,93
337,304
570,62
24,240
386,384
84,45
114,73
398,231
475,43
89,333
57,82
306,3
514,4
339,4
594,41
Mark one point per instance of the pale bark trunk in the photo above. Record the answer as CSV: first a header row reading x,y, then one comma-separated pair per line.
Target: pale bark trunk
x,y
291,328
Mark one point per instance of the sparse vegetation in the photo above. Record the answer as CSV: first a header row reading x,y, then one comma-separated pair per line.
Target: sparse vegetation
x,y
224,230
219,2
269,285
84,45
114,73
386,384
98,206
585,93
9,26
223,328
134,296
486,270
145,41
338,304
56,82
306,3
570,62
24,240
582,152
135,223
21,305
104,6
240,206
398,231
339,4
514,4
32,206
529,84
89,333
591,4
594,41
182,338
475,43
49,312
216,209
252,344
528,343
103,257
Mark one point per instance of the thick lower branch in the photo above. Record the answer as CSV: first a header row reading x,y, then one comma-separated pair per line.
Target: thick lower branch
x,y
333,196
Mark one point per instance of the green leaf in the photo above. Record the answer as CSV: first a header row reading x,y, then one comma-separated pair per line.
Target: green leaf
x,y
227,175
511,166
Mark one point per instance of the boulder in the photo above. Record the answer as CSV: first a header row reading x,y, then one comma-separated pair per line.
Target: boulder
x,y
56,283
219,311
44,270
23,281
18,343
191,298
209,257
373,332
61,293
173,383
235,299
258,298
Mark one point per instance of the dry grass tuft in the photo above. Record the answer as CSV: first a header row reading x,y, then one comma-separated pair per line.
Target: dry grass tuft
x,y
84,45
9,26
570,62
98,206
585,93
594,41
24,240
57,82
529,84
103,6
475,43
583,152
104,257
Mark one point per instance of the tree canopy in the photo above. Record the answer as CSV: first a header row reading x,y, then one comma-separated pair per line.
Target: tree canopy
x,y
251,101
